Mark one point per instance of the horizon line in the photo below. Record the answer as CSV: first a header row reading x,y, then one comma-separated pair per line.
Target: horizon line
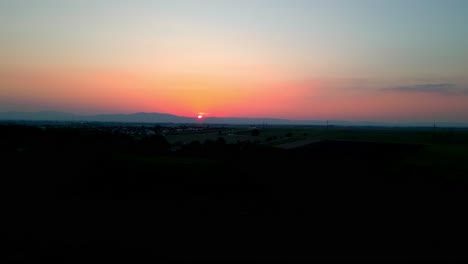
x,y
292,121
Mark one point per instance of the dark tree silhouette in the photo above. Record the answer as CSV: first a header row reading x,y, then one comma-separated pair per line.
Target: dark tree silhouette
x,y
156,144
255,132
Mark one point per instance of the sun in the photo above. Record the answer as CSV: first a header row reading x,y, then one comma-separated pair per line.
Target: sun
x,y
200,116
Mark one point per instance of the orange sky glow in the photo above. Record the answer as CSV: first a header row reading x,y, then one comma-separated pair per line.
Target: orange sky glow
x,y
307,60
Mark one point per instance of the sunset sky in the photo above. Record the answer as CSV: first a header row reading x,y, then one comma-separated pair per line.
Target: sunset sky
x,y
369,60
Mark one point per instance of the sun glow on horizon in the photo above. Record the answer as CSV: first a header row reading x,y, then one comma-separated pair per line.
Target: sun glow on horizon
x,y
252,59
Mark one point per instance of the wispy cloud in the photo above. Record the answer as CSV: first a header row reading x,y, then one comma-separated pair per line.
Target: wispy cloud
x,y
440,88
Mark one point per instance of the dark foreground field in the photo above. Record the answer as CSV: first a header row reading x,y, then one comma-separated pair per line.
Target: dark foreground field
x,y
78,195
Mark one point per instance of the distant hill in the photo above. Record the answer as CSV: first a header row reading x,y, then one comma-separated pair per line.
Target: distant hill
x,y
138,118
58,116
169,118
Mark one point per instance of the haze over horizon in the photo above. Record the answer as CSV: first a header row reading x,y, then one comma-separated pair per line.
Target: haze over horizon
x,y
386,61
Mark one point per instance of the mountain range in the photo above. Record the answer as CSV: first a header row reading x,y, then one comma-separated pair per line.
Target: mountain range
x,y
169,118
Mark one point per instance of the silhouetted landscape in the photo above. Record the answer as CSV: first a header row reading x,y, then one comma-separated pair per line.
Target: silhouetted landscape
x,y
167,119
228,131
75,191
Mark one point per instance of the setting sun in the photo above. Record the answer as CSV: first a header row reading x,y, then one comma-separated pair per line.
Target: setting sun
x,y
265,59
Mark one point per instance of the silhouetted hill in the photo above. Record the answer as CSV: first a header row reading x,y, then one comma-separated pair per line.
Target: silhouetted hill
x,y
169,118
140,118
135,117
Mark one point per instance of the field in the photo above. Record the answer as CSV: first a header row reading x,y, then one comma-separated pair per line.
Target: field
x,y
445,149
71,193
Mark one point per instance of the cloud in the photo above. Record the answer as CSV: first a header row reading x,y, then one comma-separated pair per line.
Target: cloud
x,y
440,88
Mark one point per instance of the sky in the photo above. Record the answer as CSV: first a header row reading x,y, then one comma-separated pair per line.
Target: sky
x,y
356,60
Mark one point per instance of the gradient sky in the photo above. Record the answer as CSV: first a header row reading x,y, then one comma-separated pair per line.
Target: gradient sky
x,y
395,60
